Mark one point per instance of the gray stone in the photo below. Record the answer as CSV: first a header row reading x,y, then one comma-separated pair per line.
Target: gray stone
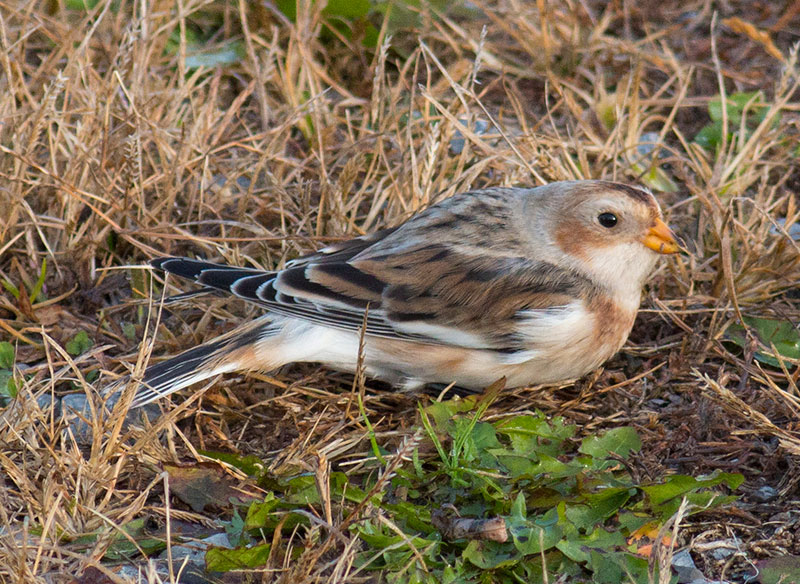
x,y
458,141
764,494
196,550
77,413
683,564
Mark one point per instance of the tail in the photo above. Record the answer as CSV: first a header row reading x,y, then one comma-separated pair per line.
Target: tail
x,y
237,350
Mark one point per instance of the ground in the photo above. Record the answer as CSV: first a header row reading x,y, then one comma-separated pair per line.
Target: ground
x,y
253,133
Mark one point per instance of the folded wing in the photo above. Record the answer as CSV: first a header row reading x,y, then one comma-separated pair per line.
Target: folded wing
x,y
424,281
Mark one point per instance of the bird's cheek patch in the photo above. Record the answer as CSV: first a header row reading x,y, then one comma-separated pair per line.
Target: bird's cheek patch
x,y
577,240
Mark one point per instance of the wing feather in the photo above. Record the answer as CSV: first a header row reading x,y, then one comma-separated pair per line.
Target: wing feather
x,y
423,281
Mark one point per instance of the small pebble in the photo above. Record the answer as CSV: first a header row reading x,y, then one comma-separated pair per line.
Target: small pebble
x,y
75,408
457,143
764,494
683,564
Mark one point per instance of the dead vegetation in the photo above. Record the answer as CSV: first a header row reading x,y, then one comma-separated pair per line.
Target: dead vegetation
x,y
114,149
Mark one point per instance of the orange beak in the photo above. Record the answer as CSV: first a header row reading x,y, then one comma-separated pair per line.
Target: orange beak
x,y
661,239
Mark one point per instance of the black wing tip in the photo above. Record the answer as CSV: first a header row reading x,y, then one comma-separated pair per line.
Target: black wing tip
x,y
158,263
178,264
184,267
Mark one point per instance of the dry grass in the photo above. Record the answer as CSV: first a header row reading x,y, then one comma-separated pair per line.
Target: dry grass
x,y
113,152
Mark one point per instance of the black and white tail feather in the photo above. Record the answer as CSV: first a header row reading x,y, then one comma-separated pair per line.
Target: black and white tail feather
x,y
196,364
221,355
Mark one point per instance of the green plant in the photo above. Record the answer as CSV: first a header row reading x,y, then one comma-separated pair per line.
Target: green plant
x,y
8,388
565,506
745,111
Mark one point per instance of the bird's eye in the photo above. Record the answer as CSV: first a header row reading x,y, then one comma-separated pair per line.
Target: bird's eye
x,y
607,220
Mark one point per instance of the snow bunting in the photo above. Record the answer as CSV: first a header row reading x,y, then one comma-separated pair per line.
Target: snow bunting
x,y
536,285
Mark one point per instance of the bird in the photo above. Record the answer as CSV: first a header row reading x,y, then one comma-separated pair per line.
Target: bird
x,y
535,285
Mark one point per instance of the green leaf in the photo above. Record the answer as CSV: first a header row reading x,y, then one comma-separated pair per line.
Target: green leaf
x,y
376,449
372,535
531,537
129,330
111,241
782,334
783,569
606,567
79,344
579,547
414,517
36,293
679,485
192,36
543,498
655,178
349,9
430,430
249,464
598,507
11,289
619,441
122,548
302,490
529,434
225,560
483,436
675,486
471,439
8,389
342,487
749,106
517,466
139,283
490,555
736,104
449,575
371,35
606,111
259,514
630,521
535,538
396,549
556,568
7,355
235,530
574,549
81,5
555,469
399,15
710,136
519,508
